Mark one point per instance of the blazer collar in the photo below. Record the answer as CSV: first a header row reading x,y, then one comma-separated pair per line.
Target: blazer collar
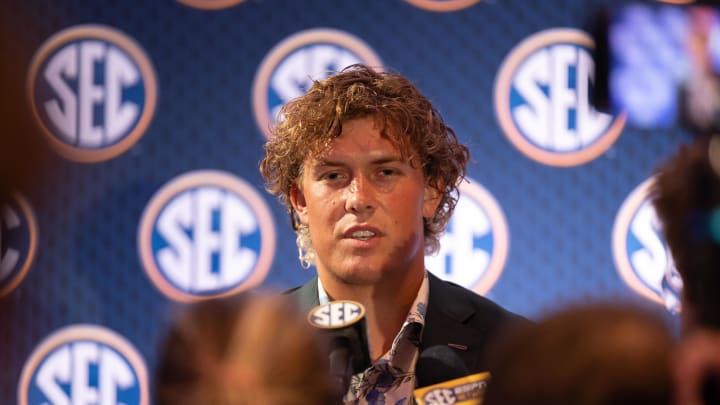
x,y
306,295
448,323
443,302
448,320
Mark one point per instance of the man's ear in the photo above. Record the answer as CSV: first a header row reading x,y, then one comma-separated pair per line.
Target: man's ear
x,y
297,199
432,198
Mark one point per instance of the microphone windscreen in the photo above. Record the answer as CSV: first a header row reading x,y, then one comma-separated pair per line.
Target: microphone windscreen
x,y
437,364
343,324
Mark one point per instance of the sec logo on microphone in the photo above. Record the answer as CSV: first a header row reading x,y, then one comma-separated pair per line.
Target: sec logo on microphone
x,y
291,66
542,100
93,91
336,314
84,364
206,234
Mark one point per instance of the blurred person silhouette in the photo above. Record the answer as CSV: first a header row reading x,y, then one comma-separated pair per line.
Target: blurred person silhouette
x,y
686,197
25,157
368,172
591,354
26,161
250,348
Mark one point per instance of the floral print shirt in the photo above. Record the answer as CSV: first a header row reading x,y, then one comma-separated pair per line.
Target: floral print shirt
x,y
391,379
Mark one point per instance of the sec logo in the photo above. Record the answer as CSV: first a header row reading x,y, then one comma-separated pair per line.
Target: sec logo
x,y
474,247
336,314
93,91
18,241
290,67
206,234
440,396
84,364
542,101
641,255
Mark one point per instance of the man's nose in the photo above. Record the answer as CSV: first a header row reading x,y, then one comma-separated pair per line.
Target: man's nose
x,y
360,195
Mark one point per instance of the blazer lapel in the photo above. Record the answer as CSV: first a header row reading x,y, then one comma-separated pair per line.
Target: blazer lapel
x,y
449,322
451,319
306,295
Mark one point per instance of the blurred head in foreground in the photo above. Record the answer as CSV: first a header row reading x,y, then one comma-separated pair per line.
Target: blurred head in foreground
x,y
686,197
593,355
247,349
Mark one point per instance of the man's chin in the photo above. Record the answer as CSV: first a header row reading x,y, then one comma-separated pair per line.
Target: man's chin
x,y
362,277
358,274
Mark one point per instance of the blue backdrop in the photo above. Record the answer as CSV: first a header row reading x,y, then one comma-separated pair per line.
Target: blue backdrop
x,y
157,111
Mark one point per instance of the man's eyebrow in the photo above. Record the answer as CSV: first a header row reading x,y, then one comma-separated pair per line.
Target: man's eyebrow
x,y
320,162
323,162
388,159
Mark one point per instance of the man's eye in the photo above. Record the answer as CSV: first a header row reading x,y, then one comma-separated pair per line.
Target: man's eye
x,y
331,176
388,172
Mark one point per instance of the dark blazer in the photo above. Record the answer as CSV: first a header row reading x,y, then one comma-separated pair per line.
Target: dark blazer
x,y
455,317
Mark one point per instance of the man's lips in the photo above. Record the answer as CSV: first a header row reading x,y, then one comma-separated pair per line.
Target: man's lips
x,y
361,232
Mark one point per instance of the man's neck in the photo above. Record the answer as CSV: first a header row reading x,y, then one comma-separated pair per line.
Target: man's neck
x,y
386,304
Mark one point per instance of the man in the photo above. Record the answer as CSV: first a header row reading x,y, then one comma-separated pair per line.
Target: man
x,y
686,197
368,172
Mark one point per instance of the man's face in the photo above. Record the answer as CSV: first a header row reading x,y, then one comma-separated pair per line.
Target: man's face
x,y
364,206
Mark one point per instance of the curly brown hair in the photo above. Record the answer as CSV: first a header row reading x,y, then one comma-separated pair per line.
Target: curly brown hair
x,y
308,124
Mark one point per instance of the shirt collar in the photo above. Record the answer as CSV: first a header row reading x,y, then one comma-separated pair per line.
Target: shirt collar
x,y
417,310
416,315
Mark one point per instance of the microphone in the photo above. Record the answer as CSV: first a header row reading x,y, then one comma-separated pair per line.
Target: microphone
x,y
443,378
342,322
437,364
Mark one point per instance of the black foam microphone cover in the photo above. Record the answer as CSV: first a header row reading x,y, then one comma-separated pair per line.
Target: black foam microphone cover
x,y
438,364
351,342
343,325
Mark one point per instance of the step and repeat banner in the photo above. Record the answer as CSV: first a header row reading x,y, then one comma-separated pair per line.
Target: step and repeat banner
x,y
156,113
